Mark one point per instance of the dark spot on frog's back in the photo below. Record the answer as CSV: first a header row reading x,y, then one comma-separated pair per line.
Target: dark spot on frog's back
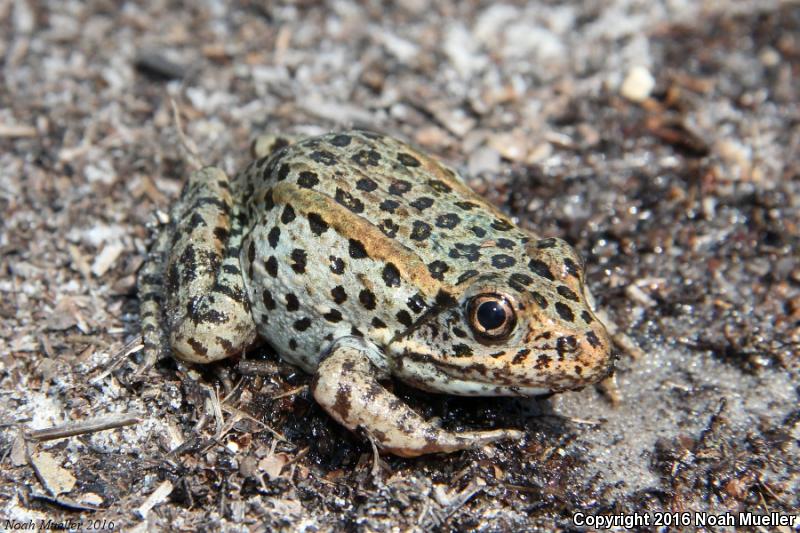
x,y
404,318
519,281
565,312
299,260
341,140
447,221
302,324
540,268
221,233
307,179
292,303
420,230
422,203
391,275
366,185
271,266
572,269
349,201
269,200
273,237
539,299
437,269
399,187
317,224
478,231
337,265
469,251
439,186
567,293
465,276
416,304
366,158
269,301
503,261
367,299
389,228
389,205
288,214
333,316
283,172
466,206
338,294
408,160
357,250
324,157
502,225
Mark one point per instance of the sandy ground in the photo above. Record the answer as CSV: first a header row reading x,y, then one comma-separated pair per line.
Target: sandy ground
x,y
662,139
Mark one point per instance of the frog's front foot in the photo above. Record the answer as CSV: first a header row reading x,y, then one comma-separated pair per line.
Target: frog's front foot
x,y
346,386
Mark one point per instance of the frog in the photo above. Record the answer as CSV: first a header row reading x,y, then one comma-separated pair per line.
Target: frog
x,y
360,259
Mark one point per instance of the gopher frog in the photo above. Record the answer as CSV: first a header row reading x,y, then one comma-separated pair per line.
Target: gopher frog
x,y
359,258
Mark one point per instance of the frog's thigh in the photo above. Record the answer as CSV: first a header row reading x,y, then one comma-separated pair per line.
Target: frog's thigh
x,y
346,385
207,310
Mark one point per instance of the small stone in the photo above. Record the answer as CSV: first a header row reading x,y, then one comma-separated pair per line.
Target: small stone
x,y
638,84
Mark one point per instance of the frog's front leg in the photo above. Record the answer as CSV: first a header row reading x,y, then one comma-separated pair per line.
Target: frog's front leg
x,y
199,283
346,386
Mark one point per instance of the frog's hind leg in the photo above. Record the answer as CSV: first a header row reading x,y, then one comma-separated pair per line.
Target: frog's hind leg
x,y
195,282
346,386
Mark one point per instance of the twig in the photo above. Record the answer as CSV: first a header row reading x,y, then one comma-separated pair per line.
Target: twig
x,y
79,428
158,496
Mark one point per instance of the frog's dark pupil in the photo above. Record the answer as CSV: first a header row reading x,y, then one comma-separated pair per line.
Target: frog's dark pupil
x,y
491,315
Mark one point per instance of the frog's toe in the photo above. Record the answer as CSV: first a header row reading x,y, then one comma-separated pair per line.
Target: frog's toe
x,y
433,440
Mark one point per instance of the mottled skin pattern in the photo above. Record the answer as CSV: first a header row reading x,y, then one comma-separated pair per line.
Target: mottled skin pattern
x,y
358,258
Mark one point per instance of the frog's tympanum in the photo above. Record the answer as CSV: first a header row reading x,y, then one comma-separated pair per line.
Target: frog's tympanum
x,y
359,258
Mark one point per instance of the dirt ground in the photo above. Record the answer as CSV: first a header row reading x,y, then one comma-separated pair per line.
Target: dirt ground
x,y
661,138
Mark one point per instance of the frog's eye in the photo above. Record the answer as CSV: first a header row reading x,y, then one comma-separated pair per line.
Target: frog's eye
x,y
491,316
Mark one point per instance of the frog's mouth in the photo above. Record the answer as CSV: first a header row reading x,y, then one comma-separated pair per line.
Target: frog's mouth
x,y
423,372
414,363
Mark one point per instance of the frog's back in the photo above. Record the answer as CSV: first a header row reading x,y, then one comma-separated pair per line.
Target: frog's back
x,y
358,233
412,199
